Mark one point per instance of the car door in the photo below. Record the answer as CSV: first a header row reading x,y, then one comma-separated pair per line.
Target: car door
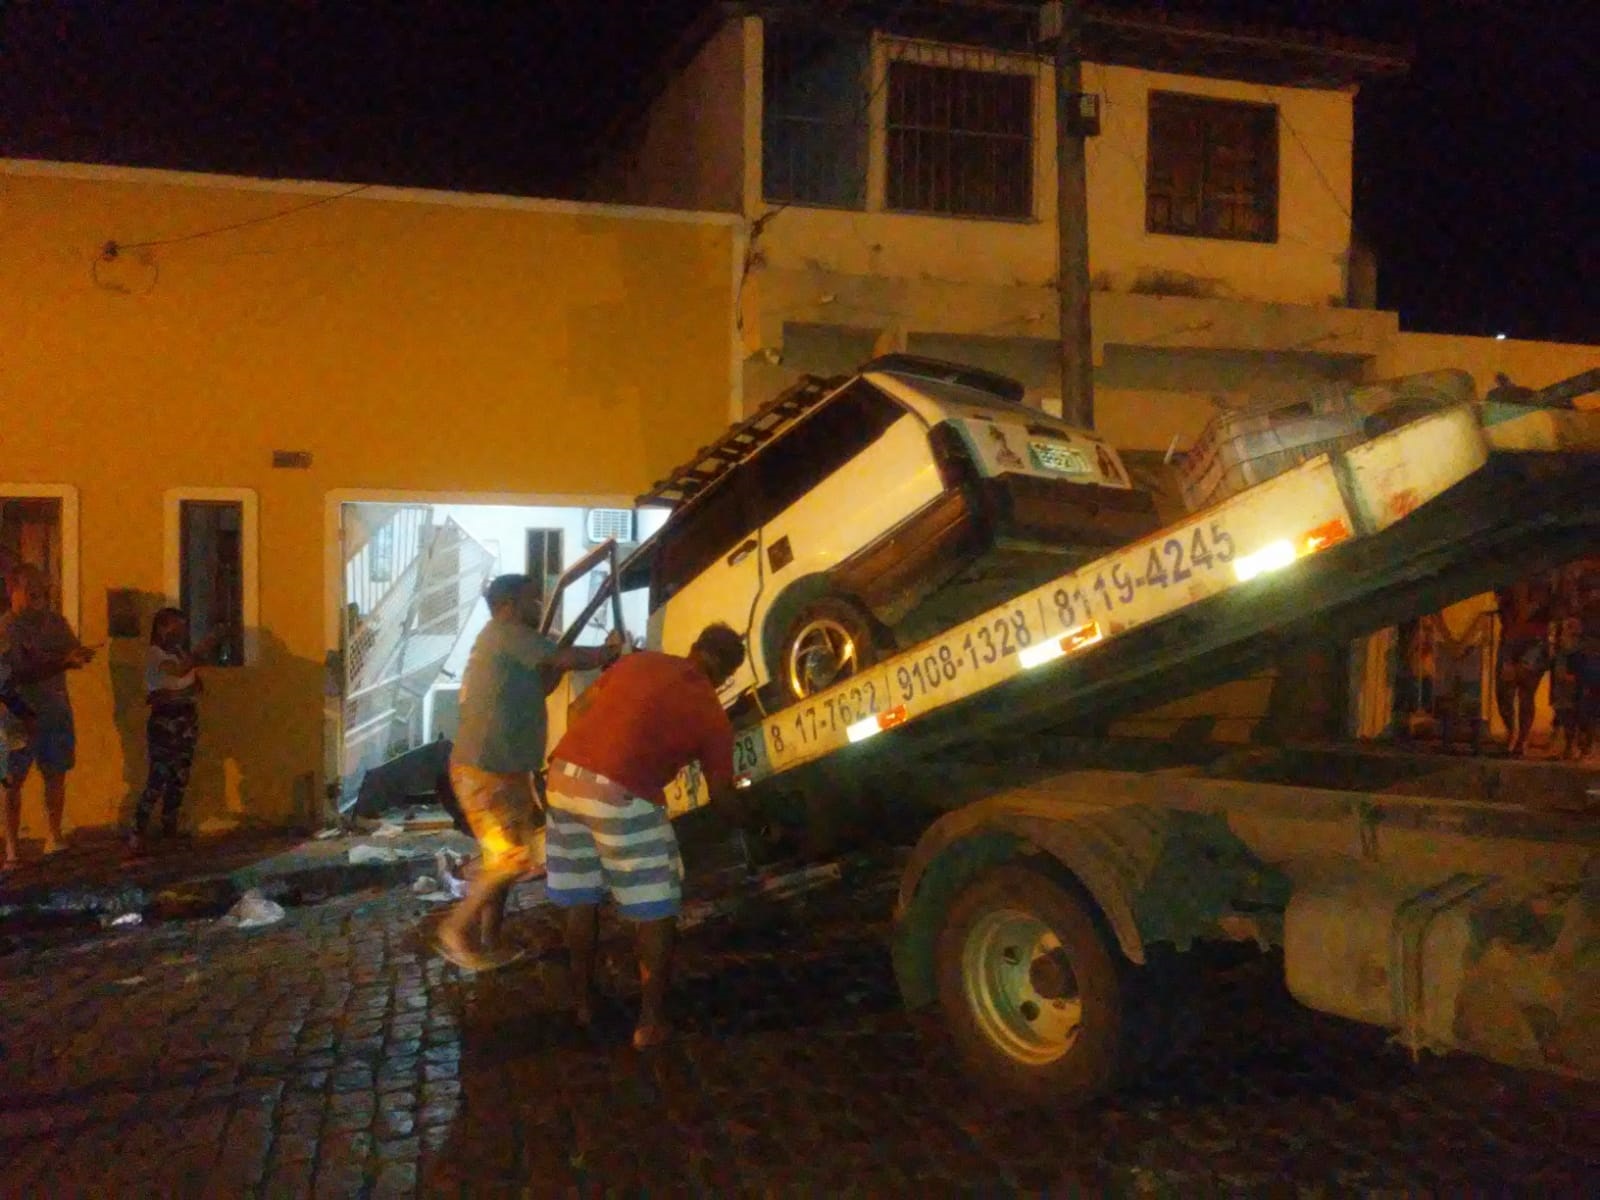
x,y
836,484
707,569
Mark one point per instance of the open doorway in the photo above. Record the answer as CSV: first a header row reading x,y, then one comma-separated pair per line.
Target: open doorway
x,y
30,533
412,604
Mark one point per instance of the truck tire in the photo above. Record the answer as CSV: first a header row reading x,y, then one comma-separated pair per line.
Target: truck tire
x,y
829,640
1031,990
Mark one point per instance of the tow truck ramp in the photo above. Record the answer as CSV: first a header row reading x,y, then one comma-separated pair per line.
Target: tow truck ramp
x,y
1347,543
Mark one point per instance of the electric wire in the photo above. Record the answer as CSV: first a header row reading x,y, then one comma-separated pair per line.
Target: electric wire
x,y
113,248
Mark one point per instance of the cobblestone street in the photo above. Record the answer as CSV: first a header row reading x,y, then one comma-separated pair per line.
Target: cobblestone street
x,y
332,1055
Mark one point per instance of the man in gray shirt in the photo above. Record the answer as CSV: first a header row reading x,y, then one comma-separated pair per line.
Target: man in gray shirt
x,y
499,748
39,646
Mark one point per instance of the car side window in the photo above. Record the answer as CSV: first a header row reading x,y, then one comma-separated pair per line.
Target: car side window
x,y
819,445
696,538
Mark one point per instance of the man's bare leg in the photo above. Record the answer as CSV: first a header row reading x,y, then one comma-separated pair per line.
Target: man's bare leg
x,y
583,939
1525,694
13,803
490,921
460,930
55,807
1505,700
655,970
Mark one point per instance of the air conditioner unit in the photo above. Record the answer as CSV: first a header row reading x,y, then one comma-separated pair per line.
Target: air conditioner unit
x,y
610,523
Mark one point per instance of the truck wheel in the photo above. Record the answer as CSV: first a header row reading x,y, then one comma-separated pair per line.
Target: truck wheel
x,y
1030,990
830,640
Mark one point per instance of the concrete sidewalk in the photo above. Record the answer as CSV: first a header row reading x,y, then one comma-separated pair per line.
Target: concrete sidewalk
x,y
93,882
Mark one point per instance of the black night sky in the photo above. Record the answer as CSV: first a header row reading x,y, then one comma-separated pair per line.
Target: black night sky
x,y
1476,172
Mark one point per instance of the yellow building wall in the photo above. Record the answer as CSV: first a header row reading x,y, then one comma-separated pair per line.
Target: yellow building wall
x,y
407,340
1531,364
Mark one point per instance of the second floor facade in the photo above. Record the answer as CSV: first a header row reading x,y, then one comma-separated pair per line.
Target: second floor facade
x,y
1222,167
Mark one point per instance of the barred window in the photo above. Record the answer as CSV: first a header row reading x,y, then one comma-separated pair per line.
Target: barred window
x,y
1213,168
959,141
211,575
814,120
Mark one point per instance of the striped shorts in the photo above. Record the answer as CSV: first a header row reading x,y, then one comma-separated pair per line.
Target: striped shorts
x,y
602,838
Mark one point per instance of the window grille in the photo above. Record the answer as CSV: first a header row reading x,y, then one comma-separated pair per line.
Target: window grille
x,y
959,140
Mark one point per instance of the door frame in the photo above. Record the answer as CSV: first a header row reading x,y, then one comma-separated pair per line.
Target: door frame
x,y
333,503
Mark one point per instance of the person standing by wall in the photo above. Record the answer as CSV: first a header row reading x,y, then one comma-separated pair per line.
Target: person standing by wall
x,y
40,646
498,751
172,690
1577,657
1524,656
640,724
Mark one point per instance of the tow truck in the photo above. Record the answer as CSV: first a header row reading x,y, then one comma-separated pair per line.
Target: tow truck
x,y
1047,913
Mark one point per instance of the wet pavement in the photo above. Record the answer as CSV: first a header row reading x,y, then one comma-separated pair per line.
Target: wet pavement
x,y
331,1055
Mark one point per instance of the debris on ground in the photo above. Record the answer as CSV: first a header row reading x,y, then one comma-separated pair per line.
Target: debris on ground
x,y
450,867
329,833
388,829
698,912
427,888
254,910
122,920
373,854
130,981
799,881
191,898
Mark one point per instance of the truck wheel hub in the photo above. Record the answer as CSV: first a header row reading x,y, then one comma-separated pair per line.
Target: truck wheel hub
x,y
1020,986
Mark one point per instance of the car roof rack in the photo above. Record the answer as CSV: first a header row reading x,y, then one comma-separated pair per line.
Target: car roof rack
x,y
915,365
711,462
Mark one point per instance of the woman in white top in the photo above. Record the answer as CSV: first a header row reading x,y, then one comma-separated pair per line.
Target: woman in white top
x,y
172,689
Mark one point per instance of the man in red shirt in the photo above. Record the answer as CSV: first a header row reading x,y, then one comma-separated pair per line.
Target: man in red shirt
x,y
637,726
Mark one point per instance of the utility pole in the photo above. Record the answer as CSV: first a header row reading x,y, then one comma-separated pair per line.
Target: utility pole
x,y
1076,117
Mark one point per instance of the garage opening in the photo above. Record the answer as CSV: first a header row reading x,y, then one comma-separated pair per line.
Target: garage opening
x,y
412,605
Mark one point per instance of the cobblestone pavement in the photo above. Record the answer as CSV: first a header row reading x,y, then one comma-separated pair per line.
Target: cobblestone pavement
x,y
331,1055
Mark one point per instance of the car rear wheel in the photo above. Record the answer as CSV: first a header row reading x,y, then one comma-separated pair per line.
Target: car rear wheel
x,y
1030,991
828,642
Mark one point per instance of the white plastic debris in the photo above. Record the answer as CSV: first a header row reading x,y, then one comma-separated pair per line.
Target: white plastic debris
x,y
388,830
373,854
122,921
427,888
254,910
449,862
130,981
326,834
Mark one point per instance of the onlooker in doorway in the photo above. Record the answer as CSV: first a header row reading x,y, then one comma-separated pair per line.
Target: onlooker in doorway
x,y
1577,659
1524,655
499,750
172,690
40,647
641,723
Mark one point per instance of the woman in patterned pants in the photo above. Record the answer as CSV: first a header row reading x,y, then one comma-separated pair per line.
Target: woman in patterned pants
x,y
172,689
